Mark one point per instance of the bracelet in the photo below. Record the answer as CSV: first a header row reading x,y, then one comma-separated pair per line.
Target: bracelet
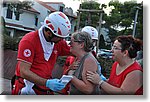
x,y
100,83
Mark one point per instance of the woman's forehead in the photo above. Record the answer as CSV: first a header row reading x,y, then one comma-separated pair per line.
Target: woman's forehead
x,y
116,42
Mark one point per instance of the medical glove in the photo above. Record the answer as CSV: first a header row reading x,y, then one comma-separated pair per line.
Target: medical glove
x,y
54,84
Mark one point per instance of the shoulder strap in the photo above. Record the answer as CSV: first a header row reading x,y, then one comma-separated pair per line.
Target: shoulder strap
x,y
99,68
80,68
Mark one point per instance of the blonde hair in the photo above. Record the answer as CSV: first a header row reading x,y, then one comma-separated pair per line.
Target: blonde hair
x,y
85,38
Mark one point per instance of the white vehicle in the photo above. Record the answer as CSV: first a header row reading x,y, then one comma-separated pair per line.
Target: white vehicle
x,y
104,53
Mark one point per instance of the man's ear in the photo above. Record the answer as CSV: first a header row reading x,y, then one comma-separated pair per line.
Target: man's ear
x,y
49,33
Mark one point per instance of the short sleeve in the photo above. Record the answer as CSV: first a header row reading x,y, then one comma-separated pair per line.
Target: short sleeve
x,y
26,51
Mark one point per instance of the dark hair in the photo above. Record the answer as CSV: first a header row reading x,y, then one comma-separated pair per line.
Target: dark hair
x,y
131,44
85,38
46,29
53,35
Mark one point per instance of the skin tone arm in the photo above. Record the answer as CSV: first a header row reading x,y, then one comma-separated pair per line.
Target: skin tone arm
x,y
29,75
84,85
132,82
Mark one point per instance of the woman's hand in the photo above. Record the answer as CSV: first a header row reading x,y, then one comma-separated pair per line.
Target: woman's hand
x,y
93,77
71,72
74,65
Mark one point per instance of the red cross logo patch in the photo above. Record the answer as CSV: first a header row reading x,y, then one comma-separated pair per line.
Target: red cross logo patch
x,y
27,53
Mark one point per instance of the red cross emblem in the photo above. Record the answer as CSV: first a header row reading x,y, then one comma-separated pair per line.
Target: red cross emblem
x,y
27,53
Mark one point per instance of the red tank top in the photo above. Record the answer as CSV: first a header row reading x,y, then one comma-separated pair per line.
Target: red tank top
x,y
117,80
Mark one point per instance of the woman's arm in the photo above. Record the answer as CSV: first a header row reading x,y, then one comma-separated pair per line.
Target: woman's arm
x,y
131,84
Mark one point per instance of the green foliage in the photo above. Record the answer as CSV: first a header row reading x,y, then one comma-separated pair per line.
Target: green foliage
x,y
7,41
17,7
106,65
126,22
5,37
10,43
123,16
90,5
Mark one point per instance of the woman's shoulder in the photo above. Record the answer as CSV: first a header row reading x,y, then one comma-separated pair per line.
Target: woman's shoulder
x,y
135,66
133,69
90,58
90,63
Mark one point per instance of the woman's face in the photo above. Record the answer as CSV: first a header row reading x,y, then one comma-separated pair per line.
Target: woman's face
x,y
116,51
74,46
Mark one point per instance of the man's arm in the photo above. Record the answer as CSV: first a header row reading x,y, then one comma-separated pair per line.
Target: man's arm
x,y
26,73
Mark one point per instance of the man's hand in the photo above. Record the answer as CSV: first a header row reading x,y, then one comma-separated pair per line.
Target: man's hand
x,y
54,84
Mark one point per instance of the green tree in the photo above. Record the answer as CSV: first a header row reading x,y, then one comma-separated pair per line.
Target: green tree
x,y
6,40
17,7
122,16
85,16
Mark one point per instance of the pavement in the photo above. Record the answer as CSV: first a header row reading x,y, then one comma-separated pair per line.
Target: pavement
x,y
5,86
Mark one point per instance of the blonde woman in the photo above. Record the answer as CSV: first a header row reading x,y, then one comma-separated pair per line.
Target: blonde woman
x,y
80,46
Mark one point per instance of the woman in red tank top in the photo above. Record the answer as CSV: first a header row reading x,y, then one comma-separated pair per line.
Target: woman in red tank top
x,y
126,75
